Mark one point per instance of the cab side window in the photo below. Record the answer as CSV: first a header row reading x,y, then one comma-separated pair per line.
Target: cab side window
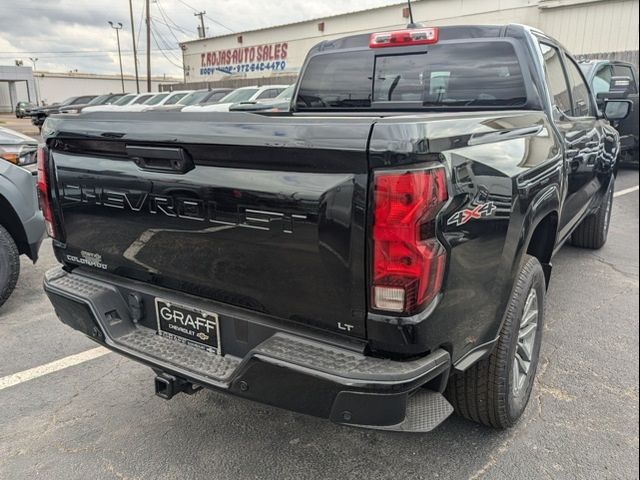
x,y
602,80
580,95
626,71
556,80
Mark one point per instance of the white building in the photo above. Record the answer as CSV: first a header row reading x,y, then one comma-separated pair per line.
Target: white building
x,y
14,79
586,27
51,87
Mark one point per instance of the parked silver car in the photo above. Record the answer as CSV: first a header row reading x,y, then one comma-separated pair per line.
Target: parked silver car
x,y
21,222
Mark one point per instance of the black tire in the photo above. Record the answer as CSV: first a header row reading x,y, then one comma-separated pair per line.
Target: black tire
x,y
9,265
592,233
486,392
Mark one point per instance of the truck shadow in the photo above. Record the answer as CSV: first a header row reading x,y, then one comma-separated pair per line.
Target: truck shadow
x,y
279,444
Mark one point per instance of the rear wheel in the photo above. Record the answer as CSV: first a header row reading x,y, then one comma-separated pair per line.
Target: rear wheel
x,y
9,265
495,391
592,233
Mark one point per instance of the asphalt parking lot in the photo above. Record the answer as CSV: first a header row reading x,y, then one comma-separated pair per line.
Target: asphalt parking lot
x,y
99,417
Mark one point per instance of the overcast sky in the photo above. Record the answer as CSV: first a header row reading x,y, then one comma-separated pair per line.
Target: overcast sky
x,y
73,34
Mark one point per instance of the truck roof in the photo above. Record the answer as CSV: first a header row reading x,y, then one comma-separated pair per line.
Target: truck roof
x,y
452,32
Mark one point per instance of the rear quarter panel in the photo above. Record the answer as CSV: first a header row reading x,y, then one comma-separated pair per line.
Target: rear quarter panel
x,y
512,160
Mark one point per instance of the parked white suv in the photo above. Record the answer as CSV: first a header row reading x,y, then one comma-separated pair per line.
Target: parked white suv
x,y
243,94
165,98
127,100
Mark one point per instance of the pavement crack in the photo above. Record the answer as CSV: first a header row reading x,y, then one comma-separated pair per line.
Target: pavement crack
x,y
615,268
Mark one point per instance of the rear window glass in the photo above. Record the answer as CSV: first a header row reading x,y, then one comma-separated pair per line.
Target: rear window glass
x,y
240,95
156,99
125,100
193,98
339,80
446,75
174,99
142,99
216,97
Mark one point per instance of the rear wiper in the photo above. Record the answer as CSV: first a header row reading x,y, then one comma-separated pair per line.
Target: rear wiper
x,y
393,86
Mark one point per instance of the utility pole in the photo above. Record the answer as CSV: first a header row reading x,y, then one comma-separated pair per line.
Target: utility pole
x,y
117,28
201,30
135,54
148,15
184,66
35,78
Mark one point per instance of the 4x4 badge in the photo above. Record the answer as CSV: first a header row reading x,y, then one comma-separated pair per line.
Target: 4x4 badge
x,y
479,211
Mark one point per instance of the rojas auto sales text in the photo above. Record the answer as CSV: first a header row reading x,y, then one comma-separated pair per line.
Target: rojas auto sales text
x,y
245,59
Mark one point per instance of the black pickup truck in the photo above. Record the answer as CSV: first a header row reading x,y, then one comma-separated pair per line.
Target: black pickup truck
x,y
615,79
378,256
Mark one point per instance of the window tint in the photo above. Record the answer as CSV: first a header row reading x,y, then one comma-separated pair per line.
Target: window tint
x,y
337,80
155,100
216,97
82,100
142,99
194,97
464,74
447,75
174,99
125,100
287,93
271,93
601,80
556,81
101,100
625,71
579,91
240,95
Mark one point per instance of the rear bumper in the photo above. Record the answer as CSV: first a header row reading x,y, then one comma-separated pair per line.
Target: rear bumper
x,y
299,372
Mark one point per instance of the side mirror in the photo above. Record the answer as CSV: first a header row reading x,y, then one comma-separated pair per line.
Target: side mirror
x,y
616,110
621,86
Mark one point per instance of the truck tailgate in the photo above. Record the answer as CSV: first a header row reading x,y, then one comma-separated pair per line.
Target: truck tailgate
x,y
264,213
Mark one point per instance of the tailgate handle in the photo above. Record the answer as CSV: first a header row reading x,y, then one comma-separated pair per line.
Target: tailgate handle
x,y
161,159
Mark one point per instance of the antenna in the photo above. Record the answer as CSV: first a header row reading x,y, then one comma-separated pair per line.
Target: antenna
x,y
411,23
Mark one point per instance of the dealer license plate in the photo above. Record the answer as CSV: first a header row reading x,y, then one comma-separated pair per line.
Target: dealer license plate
x,y
188,325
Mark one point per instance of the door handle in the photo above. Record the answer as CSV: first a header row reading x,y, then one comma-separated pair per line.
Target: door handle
x,y
161,159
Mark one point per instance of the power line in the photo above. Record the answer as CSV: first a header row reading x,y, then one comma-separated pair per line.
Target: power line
x,y
62,52
70,52
160,21
166,24
153,34
166,46
213,20
140,26
168,18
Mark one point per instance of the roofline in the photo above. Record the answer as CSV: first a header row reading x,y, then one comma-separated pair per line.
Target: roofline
x,y
99,76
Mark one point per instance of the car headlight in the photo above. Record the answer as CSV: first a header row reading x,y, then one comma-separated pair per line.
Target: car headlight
x,y
21,156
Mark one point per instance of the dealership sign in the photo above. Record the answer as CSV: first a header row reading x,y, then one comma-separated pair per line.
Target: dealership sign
x,y
258,58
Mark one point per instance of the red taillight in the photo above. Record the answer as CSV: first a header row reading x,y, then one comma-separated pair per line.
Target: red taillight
x,y
43,192
418,36
408,259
